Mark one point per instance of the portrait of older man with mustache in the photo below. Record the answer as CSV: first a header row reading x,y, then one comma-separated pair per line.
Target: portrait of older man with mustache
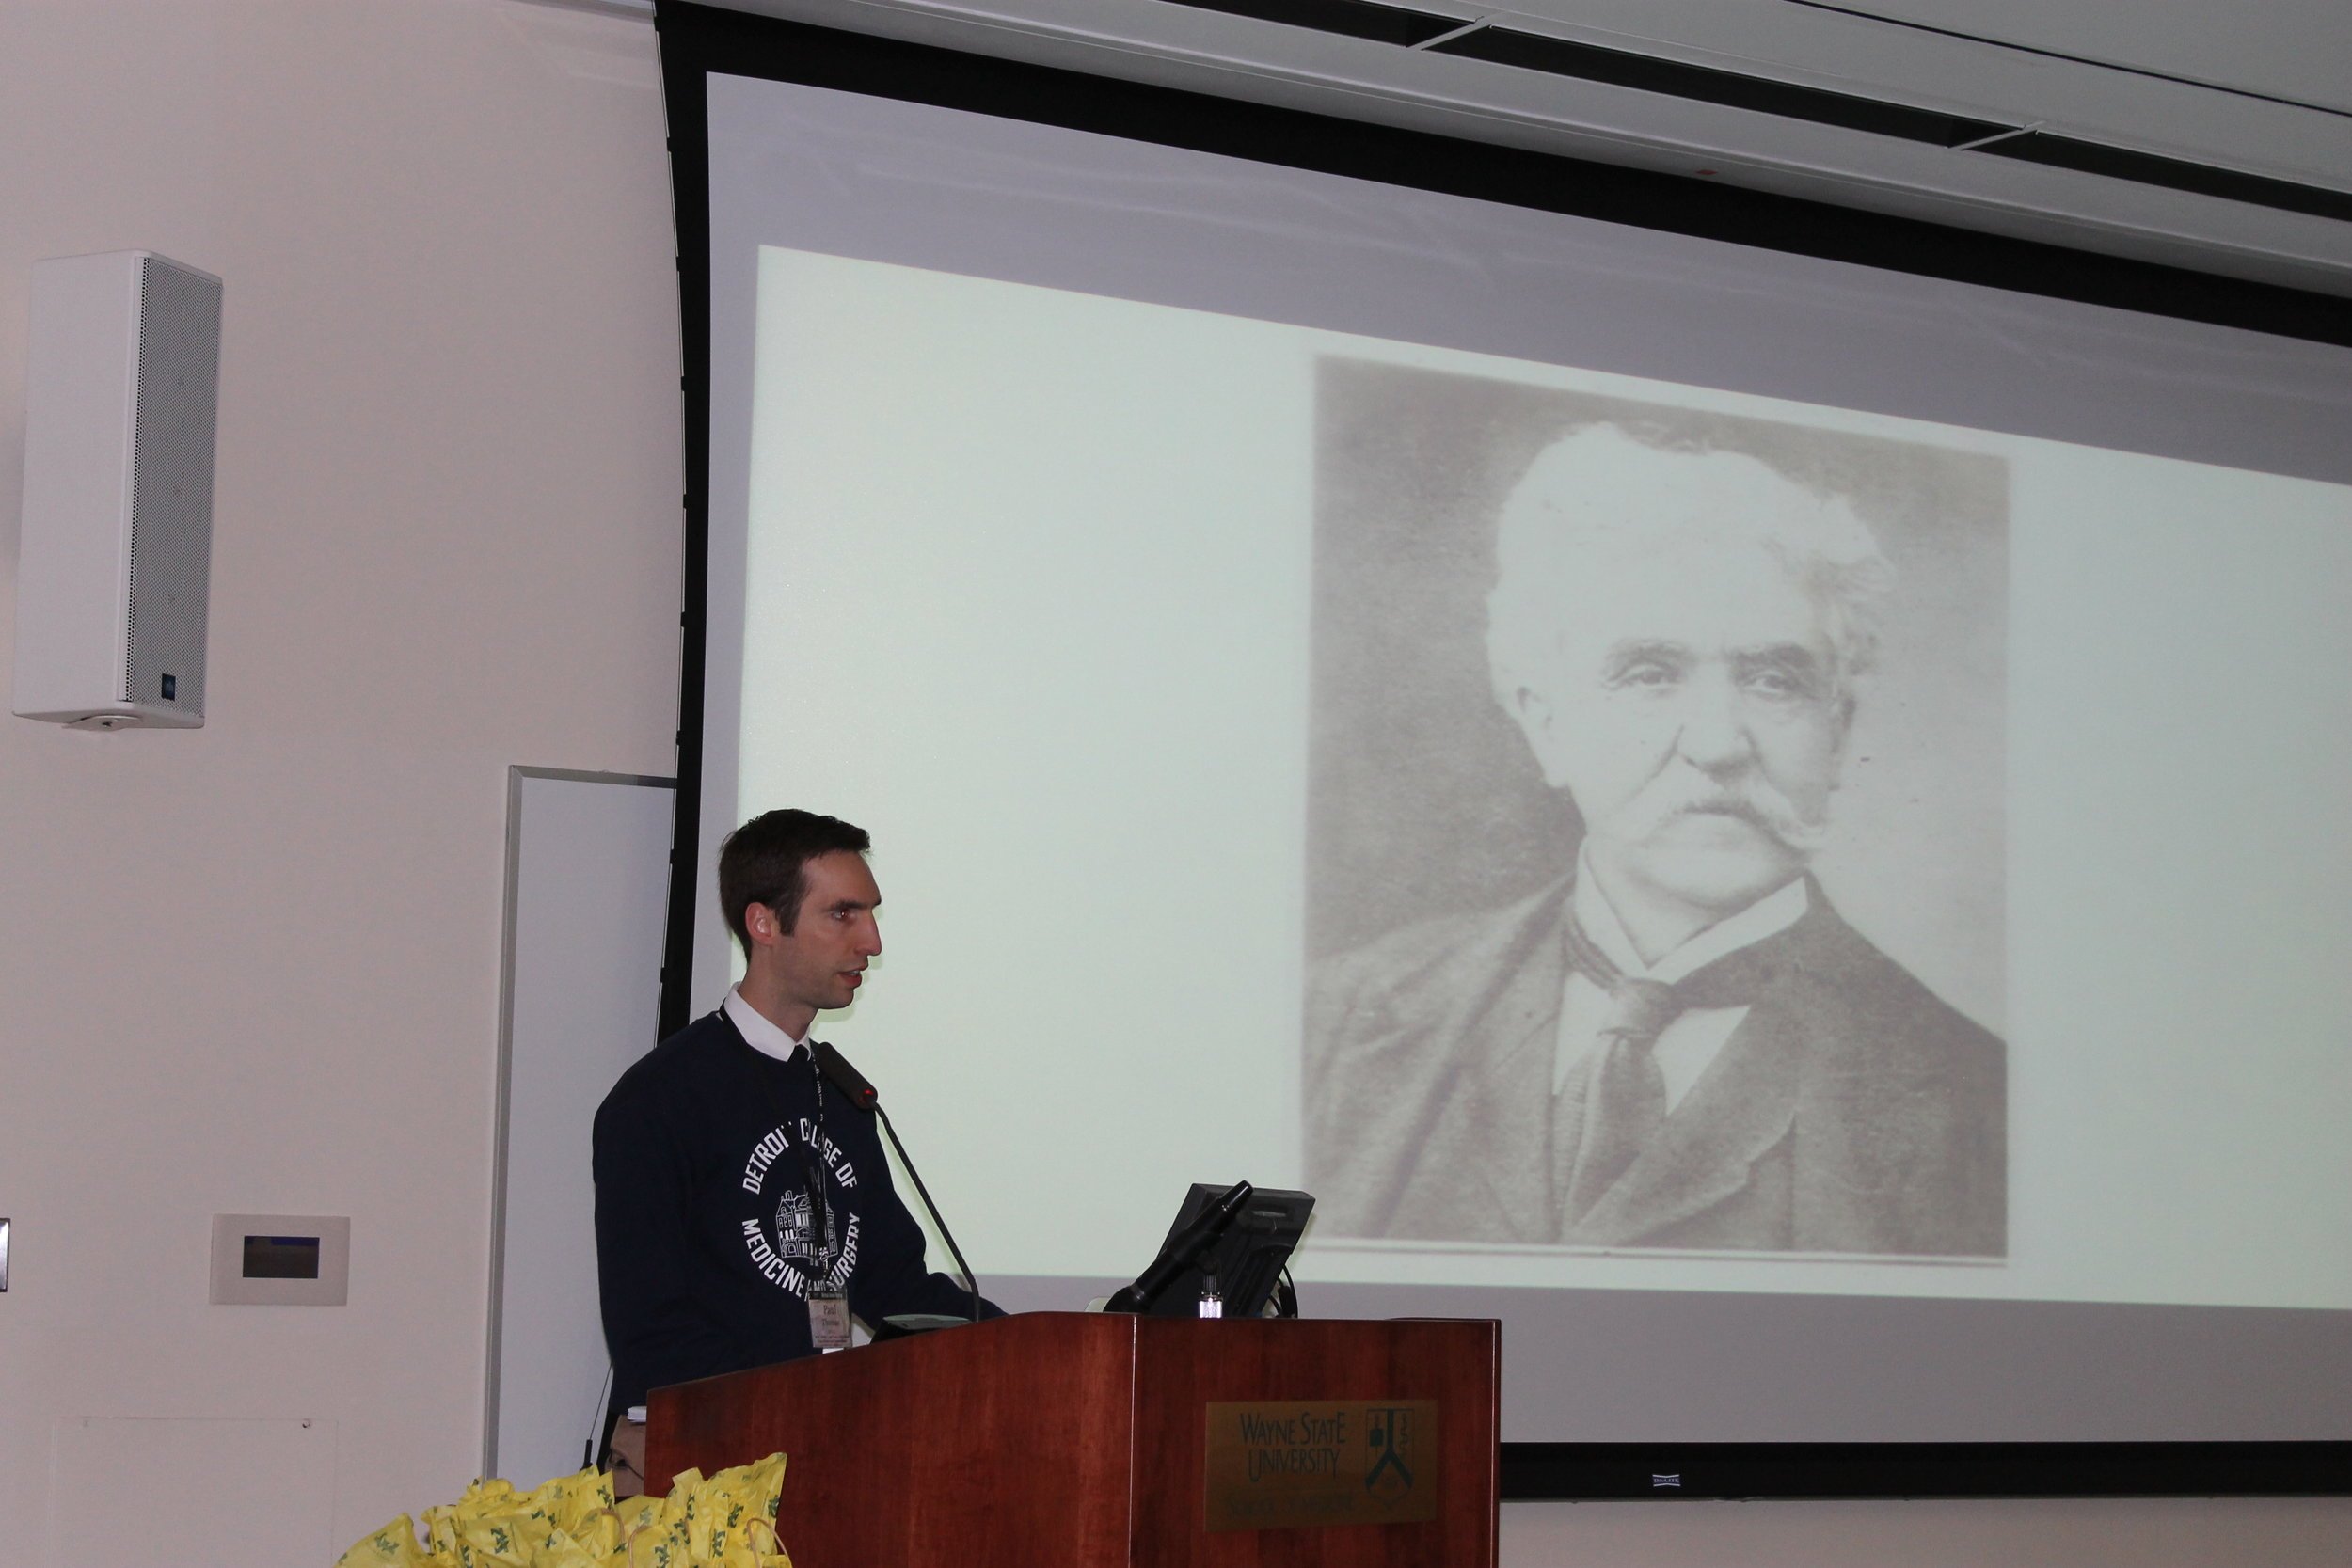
x,y
1678,1044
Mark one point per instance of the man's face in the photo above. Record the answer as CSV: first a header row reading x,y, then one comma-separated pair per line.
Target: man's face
x,y
1696,718
821,962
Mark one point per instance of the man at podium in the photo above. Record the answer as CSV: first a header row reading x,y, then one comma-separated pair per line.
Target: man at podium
x,y
745,1210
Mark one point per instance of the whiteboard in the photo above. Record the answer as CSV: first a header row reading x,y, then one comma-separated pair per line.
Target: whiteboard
x,y
587,891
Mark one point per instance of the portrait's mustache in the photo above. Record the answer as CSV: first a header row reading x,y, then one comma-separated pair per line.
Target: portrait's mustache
x,y
1685,792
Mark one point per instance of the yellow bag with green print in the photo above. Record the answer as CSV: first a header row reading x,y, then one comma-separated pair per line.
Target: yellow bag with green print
x,y
727,1521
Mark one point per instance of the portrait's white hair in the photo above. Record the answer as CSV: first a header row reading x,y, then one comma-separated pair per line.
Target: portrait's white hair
x,y
1602,497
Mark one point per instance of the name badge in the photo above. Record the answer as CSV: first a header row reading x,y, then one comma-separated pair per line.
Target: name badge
x,y
829,1317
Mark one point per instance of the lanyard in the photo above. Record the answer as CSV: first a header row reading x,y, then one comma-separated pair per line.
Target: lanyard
x,y
810,1155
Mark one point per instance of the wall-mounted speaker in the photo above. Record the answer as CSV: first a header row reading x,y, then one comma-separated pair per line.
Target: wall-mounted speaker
x,y
122,373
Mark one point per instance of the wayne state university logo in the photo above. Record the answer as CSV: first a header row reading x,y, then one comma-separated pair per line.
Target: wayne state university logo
x,y
1389,1433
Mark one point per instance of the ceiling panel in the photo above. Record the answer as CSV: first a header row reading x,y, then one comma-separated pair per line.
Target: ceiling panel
x,y
1247,57
2295,49
1831,47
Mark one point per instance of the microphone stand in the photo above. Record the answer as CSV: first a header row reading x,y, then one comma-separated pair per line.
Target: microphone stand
x,y
970,1280
836,1069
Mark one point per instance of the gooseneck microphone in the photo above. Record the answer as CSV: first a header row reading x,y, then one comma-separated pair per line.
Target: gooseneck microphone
x,y
1182,1250
837,1070
852,1084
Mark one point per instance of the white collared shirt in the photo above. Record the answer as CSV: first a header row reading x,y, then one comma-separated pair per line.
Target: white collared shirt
x,y
1688,1045
758,1033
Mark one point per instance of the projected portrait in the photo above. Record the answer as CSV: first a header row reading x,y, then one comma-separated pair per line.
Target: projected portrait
x,y
1655,826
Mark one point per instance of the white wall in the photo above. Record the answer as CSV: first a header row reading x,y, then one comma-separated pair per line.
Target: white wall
x,y
254,967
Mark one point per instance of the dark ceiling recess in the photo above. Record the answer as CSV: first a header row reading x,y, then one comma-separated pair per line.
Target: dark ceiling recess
x,y
1358,18
2121,163
1705,84
1622,68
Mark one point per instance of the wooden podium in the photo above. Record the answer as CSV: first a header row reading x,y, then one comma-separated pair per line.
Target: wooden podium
x,y
1078,1440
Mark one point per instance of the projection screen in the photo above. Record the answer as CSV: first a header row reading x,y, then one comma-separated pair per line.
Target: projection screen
x,y
1300,641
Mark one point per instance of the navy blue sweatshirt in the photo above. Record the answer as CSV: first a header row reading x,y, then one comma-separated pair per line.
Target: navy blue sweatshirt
x,y
707,1236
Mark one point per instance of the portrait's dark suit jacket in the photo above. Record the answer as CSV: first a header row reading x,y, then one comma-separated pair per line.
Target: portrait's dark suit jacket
x,y
1850,1111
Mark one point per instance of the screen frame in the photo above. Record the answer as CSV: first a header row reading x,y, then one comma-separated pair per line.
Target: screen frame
x,y
697,41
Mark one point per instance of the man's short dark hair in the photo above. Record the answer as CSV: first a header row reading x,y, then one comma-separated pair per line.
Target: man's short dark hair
x,y
765,862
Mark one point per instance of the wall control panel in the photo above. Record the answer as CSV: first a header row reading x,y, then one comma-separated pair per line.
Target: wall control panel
x,y
280,1259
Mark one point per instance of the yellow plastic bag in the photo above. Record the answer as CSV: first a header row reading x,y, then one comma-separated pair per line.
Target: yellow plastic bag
x,y
393,1546
727,1521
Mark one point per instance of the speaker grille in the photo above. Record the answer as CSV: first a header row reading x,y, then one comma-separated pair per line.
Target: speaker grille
x,y
171,487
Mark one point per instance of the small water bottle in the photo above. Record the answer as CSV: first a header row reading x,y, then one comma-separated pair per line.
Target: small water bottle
x,y
1212,1299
